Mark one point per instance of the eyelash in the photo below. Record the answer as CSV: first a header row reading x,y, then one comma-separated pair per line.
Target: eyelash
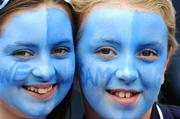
x,y
23,54
59,51
106,52
147,54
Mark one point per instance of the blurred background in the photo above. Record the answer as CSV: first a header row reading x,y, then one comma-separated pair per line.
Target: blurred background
x,y
170,91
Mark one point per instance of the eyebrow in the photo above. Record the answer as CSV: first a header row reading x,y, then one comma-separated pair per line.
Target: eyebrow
x,y
64,42
9,46
22,44
109,41
152,44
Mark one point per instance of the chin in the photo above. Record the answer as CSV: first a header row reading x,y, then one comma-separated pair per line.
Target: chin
x,y
34,110
34,114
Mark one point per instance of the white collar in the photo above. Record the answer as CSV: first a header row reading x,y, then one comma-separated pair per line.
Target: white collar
x,y
4,4
160,112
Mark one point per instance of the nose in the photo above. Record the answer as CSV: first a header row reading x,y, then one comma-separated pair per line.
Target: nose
x,y
127,73
44,71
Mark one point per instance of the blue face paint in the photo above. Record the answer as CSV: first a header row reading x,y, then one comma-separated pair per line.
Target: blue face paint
x,y
37,60
121,59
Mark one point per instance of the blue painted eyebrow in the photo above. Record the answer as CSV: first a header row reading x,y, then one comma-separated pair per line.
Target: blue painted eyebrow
x,y
108,41
31,44
11,47
22,44
64,42
151,45
115,43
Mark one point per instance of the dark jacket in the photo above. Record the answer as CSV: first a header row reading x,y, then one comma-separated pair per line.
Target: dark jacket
x,y
168,111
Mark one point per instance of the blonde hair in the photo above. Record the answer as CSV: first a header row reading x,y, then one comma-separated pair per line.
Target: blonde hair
x,y
164,7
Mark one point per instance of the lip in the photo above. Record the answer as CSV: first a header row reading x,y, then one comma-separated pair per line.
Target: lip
x,y
41,96
132,98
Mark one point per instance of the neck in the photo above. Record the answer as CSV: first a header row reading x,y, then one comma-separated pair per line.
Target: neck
x,y
147,115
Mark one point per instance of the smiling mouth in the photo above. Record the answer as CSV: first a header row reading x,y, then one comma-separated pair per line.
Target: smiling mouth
x,y
41,91
125,97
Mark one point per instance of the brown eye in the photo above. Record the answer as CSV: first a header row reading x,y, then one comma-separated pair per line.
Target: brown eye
x,y
106,52
23,54
147,54
60,51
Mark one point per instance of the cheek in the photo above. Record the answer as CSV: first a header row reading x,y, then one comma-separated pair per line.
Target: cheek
x,y
151,77
65,69
13,72
94,73
20,72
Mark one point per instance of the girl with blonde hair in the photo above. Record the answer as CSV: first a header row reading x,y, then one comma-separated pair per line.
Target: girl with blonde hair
x,y
123,48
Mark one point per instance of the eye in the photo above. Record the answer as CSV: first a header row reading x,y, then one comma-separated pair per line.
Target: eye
x,y
147,54
59,51
106,52
23,54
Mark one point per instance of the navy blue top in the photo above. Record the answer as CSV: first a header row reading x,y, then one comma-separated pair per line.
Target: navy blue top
x,y
168,111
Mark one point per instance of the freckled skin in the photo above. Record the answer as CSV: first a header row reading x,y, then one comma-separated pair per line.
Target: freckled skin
x,y
39,31
126,32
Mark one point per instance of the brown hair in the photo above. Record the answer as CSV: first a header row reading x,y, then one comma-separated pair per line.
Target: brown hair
x,y
164,7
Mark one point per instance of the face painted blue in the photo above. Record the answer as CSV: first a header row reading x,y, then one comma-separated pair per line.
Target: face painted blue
x,y
121,59
37,60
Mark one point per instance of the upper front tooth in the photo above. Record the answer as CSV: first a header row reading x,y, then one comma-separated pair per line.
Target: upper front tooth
x,y
41,90
128,94
121,94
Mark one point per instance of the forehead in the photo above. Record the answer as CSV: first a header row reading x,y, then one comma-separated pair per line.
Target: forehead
x,y
39,16
123,24
39,23
122,16
123,20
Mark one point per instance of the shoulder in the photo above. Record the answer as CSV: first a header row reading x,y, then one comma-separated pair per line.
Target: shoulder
x,y
170,110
